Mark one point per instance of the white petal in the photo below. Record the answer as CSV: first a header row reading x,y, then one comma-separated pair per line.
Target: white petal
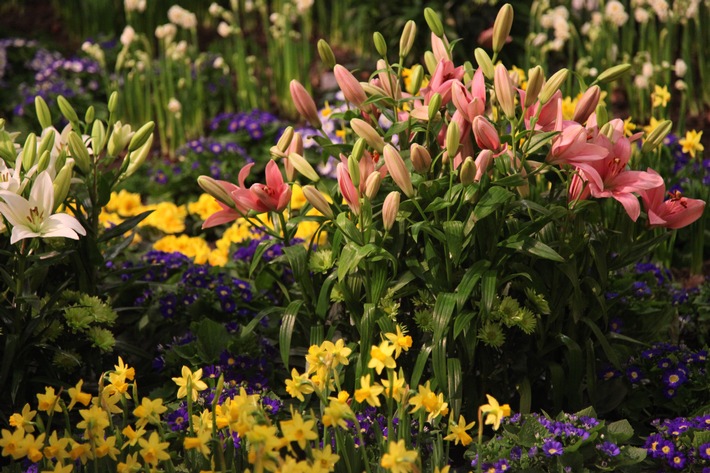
x,y
42,193
20,232
15,209
62,223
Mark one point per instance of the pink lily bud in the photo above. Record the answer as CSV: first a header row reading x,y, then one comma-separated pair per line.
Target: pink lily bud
x,y
350,193
317,200
587,104
352,90
483,162
486,135
304,103
421,159
365,131
440,47
389,209
504,91
398,170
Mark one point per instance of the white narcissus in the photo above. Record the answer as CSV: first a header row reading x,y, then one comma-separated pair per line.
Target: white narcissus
x,y
33,218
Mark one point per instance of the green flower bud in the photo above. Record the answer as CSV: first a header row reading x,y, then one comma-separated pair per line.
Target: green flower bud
x,y
380,43
43,114
468,171
502,26
89,115
656,137
613,73
29,152
113,102
358,149
430,62
43,161
78,151
416,79
535,80
47,142
484,62
98,137
62,183
407,39
326,53
354,171
453,137
552,85
67,110
434,105
141,136
434,22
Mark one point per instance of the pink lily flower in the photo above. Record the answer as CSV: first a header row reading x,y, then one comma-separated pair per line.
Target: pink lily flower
x,y
571,147
443,79
231,210
609,177
272,197
470,103
550,118
674,212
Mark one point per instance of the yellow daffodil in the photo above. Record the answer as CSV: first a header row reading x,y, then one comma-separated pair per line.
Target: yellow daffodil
x,y
691,143
132,436
23,420
12,443
56,448
337,412
428,400
368,393
33,447
395,389
76,395
95,420
205,206
193,380
381,357
149,412
132,465
200,442
59,468
106,447
652,124
80,451
298,430
660,96
298,385
325,459
124,203
400,341
458,432
398,459
629,127
48,402
153,450
494,412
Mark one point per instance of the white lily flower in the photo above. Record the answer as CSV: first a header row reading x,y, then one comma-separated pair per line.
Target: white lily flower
x,y
33,218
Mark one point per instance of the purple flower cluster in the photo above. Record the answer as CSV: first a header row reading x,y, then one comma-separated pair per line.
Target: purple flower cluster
x,y
684,165
681,444
254,123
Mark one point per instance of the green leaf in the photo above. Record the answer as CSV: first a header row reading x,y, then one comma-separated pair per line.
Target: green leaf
x,y
630,455
514,180
123,227
462,321
468,283
419,365
324,295
491,201
259,252
620,431
575,368
298,260
488,290
538,140
443,310
286,331
348,228
453,230
531,246
212,339
611,355
454,386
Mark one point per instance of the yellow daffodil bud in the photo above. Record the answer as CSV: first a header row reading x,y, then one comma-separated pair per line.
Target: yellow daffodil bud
x,y
29,152
407,39
613,73
421,159
390,207
303,166
372,185
504,91
317,200
434,22
484,62
43,114
364,130
78,151
326,53
398,170
502,26
380,43
535,80
552,85
656,137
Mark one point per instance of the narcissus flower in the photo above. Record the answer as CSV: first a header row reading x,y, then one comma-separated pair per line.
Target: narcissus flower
x,y
494,412
193,380
368,393
398,459
458,432
691,143
153,450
